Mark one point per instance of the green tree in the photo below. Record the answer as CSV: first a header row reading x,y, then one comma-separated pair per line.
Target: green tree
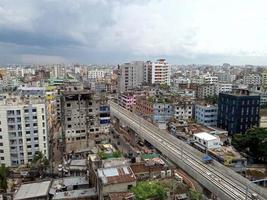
x,y
116,154
102,155
149,189
253,142
194,195
4,171
39,162
211,99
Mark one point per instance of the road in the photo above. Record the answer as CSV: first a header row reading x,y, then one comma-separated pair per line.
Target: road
x,y
222,181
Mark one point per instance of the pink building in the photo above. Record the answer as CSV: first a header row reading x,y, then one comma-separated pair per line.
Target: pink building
x,y
127,100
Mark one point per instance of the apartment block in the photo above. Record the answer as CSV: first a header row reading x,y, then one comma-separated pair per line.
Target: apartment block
x,y
211,79
127,100
158,72
23,129
205,90
183,110
252,79
85,119
131,76
238,112
223,88
206,114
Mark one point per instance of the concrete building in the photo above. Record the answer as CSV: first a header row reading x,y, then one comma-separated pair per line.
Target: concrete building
x,y
33,191
127,100
224,77
115,179
183,110
252,79
206,141
264,79
99,73
211,79
238,112
85,119
131,75
158,72
223,88
206,114
23,129
205,90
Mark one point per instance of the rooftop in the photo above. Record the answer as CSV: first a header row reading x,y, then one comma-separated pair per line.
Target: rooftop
x,y
75,194
33,190
120,195
205,136
113,175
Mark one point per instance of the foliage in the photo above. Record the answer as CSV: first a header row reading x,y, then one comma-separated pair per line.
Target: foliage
x,y
254,143
194,195
116,154
211,99
102,155
39,162
4,171
164,86
149,189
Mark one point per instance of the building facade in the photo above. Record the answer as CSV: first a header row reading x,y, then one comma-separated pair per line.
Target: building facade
x,y
252,79
206,114
23,130
223,88
158,72
205,90
183,110
238,112
131,75
85,119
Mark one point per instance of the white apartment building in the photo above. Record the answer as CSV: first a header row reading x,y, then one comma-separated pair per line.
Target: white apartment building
x,y
211,79
99,73
23,130
223,88
252,79
158,72
131,75
183,110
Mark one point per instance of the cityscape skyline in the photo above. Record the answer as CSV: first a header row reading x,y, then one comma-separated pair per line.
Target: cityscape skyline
x,y
101,32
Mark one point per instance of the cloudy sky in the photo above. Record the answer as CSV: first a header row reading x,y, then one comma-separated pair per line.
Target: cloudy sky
x,y
115,31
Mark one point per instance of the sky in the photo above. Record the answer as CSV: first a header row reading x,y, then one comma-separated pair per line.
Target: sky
x,y
117,31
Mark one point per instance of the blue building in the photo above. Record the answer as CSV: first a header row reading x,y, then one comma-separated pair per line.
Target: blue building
x,y
162,112
206,114
238,112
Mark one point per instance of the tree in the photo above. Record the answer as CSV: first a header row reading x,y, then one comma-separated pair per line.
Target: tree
x,y
211,99
39,162
4,171
253,142
116,154
194,195
149,189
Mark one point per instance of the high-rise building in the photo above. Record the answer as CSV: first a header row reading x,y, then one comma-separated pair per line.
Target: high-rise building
x,y
131,75
158,72
85,119
23,129
238,112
